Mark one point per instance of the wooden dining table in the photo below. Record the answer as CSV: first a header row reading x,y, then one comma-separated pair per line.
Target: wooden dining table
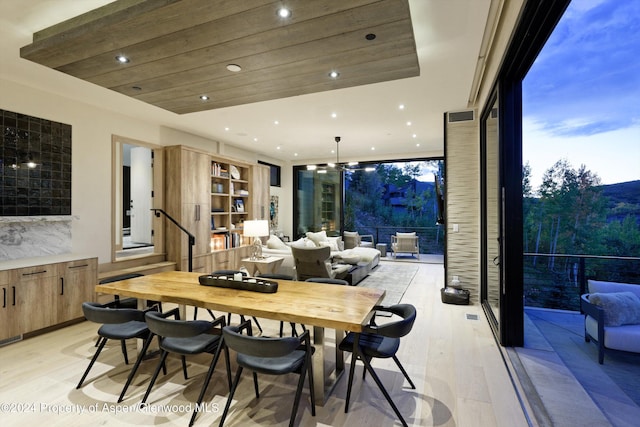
x,y
320,305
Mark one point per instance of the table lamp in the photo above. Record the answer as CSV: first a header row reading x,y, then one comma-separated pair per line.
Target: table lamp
x,y
256,229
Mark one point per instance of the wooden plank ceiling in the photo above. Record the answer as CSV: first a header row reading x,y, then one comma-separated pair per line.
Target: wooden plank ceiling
x,y
179,50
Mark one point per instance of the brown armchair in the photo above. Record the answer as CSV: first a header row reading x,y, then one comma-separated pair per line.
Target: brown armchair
x,y
316,262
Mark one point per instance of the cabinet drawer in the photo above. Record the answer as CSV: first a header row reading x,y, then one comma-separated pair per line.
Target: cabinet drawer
x,y
35,273
5,277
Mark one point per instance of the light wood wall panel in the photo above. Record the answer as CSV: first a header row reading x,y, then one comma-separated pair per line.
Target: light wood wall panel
x,y
462,156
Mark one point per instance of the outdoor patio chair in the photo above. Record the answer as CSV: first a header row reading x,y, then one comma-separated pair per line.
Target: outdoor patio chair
x,y
405,243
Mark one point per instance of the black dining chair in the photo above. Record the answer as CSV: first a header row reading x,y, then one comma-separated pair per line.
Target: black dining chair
x,y
231,273
117,324
188,337
279,276
382,342
271,356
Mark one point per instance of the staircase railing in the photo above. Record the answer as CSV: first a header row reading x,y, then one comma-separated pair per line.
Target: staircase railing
x,y
192,238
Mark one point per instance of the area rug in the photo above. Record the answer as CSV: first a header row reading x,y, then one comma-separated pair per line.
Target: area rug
x,y
394,279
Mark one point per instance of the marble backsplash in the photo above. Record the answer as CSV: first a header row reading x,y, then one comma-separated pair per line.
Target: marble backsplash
x,y
32,236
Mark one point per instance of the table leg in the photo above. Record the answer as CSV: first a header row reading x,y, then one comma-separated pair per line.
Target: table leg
x,y
324,382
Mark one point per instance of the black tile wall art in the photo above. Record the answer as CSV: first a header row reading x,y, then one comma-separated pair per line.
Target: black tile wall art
x,y
43,188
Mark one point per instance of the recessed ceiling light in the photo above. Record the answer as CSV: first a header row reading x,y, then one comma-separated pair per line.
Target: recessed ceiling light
x,y
417,145
408,123
334,74
204,97
122,59
414,135
373,148
278,147
234,68
334,115
370,36
401,106
295,154
227,129
276,122
283,12
255,139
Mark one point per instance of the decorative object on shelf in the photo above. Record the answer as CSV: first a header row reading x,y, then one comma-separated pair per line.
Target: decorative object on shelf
x,y
235,173
273,212
256,229
239,206
243,283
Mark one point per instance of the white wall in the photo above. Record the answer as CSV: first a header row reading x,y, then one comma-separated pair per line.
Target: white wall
x,y
92,129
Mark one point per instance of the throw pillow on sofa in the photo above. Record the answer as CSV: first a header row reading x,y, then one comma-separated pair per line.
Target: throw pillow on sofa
x,y
318,238
620,308
274,242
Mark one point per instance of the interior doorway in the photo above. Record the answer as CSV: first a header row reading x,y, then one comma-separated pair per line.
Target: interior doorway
x,y
133,188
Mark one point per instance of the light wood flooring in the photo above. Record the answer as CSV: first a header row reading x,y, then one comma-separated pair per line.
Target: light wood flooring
x,y
453,359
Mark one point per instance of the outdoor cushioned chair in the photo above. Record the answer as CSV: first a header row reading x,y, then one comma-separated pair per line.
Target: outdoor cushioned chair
x,y
188,338
381,341
405,243
315,262
272,356
352,239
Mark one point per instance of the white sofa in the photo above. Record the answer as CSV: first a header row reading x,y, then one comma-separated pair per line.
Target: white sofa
x,y
612,316
276,247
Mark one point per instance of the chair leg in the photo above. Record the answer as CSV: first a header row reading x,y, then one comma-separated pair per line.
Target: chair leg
x,y
384,391
230,398
163,358
395,359
296,401
255,385
257,324
354,357
312,392
123,344
103,341
147,342
228,363
183,358
212,367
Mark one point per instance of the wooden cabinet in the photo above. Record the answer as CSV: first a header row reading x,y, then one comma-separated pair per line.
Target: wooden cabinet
x,y
9,324
260,178
187,200
229,259
35,290
210,196
44,295
76,281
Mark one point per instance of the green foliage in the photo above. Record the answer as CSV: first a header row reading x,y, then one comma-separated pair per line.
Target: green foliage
x,y
572,216
368,202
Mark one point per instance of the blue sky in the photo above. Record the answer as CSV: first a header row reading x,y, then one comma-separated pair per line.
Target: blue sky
x,y
581,98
